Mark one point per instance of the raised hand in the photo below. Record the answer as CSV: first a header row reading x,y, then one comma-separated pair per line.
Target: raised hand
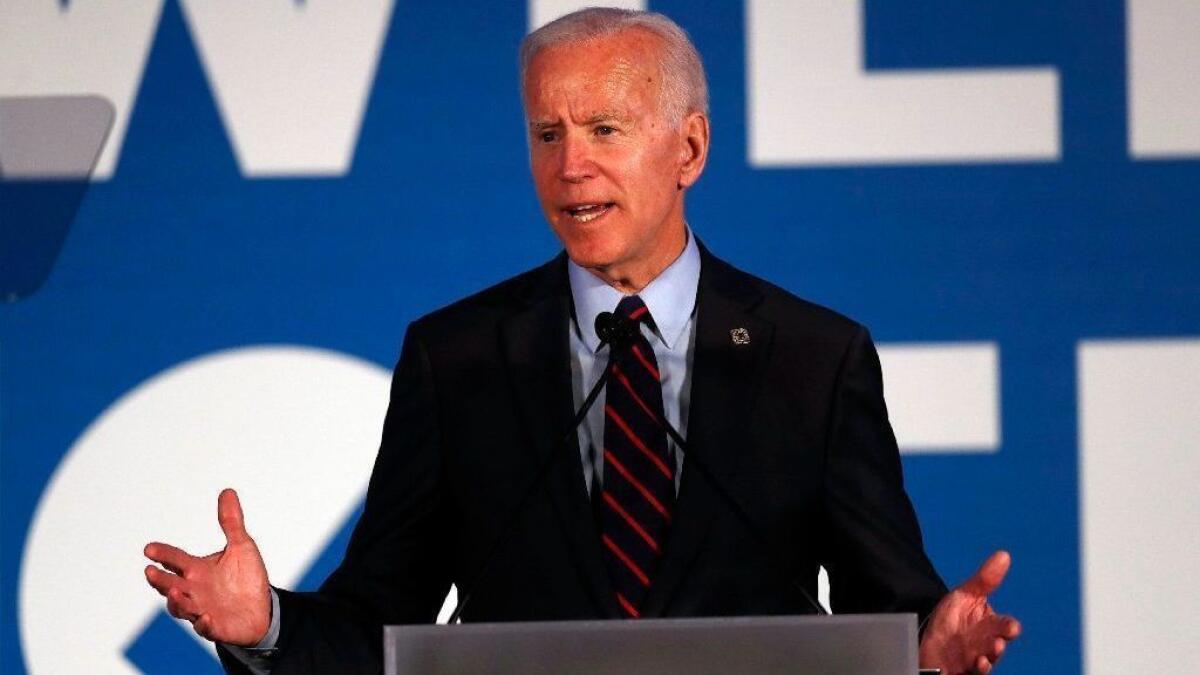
x,y
964,634
225,595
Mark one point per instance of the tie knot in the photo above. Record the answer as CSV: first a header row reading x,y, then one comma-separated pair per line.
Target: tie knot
x,y
632,308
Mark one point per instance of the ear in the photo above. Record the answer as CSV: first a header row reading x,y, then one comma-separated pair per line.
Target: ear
x,y
693,151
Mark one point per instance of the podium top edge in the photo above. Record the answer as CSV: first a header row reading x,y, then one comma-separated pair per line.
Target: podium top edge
x,y
899,619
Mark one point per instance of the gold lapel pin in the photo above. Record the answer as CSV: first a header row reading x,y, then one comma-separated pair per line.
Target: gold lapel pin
x,y
739,336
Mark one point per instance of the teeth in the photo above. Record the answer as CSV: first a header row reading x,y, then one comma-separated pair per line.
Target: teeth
x,y
587,212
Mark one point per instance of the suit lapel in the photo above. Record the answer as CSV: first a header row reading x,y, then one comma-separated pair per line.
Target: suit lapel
x,y
537,353
724,384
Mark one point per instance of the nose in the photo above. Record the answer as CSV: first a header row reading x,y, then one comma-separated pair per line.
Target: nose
x,y
576,160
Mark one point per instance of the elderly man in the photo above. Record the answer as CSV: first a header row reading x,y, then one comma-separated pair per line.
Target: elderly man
x,y
789,462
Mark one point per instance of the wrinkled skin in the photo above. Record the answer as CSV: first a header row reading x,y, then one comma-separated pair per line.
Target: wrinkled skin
x,y
225,595
965,635
598,135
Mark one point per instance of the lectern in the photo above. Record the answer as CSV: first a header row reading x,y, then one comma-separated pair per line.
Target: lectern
x,y
866,644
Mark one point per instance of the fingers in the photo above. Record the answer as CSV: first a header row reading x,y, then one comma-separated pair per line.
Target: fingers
x,y
997,651
229,515
162,581
989,576
1011,629
1001,626
180,605
174,559
997,634
203,626
992,629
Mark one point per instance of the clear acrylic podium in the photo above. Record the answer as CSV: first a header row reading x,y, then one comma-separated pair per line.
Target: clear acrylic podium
x,y
866,644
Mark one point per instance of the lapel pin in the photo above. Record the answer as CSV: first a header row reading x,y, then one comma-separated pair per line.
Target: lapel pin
x,y
739,336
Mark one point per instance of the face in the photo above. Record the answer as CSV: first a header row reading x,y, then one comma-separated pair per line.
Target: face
x,y
609,168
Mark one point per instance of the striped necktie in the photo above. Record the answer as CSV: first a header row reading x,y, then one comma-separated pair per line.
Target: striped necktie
x,y
639,485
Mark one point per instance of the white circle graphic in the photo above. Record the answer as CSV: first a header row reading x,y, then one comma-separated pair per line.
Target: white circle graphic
x,y
293,429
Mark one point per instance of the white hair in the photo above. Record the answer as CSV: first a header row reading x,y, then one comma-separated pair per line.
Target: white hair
x,y
684,85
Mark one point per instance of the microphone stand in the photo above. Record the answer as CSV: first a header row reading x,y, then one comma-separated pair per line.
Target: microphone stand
x,y
691,459
613,333
619,333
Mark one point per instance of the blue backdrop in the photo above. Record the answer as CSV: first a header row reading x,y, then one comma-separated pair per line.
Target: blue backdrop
x,y
179,255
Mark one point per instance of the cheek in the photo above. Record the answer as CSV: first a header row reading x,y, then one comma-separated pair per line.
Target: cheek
x,y
660,173
537,168
543,182
651,181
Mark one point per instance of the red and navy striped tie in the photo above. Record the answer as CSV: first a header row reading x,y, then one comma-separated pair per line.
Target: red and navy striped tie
x,y
639,483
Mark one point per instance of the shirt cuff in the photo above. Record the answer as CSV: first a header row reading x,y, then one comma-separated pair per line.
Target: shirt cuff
x,y
272,636
261,656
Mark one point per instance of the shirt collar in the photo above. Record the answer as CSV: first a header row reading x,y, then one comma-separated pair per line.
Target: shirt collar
x,y
670,297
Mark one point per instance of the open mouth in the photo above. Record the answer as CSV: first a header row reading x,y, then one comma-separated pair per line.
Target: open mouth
x,y
585,213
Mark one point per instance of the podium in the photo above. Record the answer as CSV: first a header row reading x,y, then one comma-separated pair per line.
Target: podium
x,y
864,644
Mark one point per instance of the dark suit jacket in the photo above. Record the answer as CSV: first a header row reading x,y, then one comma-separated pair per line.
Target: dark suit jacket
x,y
793,424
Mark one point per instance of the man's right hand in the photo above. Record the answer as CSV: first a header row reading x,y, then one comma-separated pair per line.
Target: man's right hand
x,y
225,595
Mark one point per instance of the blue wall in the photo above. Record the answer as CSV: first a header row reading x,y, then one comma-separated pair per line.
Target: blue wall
x,y
179,255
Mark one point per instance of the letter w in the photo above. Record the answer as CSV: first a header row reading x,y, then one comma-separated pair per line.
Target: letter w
x,y
291,79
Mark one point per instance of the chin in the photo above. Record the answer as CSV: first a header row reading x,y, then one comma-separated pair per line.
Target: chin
x,y
589,258
593,249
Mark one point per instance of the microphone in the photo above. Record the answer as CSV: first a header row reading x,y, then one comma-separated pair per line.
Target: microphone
x,y
618,334
616,331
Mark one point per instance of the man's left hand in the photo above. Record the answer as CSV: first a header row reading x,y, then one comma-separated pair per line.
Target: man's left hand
x,y
964,634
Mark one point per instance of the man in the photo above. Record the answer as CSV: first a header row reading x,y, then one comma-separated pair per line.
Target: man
x,y
789,462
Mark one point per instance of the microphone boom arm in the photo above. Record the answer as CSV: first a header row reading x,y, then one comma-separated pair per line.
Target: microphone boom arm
x,y
691,459
618,333
543,471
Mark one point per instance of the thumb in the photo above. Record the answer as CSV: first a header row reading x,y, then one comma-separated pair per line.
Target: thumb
x,y
989,575
229,515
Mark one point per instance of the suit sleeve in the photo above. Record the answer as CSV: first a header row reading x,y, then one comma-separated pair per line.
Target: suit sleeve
x,y
876,559
395,569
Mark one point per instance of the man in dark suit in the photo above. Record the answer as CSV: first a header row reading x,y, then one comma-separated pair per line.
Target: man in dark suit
x,y
789,462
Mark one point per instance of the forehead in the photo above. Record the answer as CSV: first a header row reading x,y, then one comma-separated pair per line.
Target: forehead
x,y
619,71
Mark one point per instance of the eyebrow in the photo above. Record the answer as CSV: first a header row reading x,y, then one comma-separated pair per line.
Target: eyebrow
x,y
596,118
604,116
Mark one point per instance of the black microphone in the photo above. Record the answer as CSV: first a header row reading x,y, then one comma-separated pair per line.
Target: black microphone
x,y
615,330
618,334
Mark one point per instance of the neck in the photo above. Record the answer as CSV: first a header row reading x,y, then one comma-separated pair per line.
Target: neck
x,y
632,276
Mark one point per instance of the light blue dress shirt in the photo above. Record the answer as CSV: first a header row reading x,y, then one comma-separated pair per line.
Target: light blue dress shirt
x,y
671,301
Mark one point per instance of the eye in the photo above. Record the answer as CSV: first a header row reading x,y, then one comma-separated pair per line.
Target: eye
x,y
547,137
604,130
